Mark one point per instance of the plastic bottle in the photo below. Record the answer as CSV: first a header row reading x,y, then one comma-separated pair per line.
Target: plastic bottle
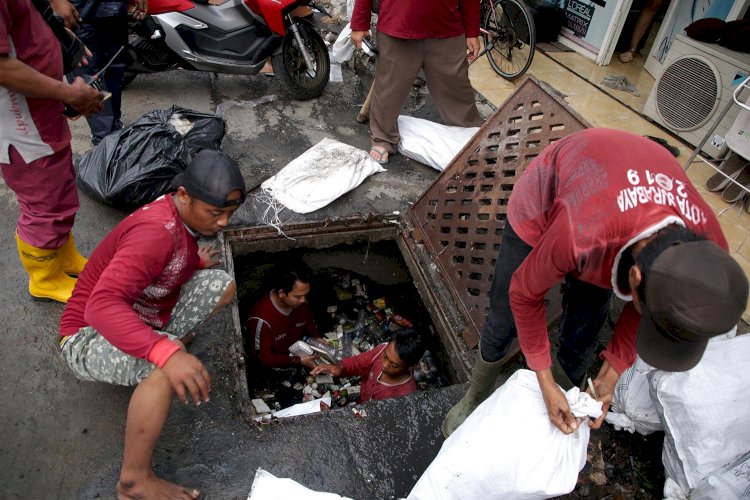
x,y
346,344
320,345
359,326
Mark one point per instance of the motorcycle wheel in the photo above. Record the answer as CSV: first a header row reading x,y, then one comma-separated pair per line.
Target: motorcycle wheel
x,y
290,68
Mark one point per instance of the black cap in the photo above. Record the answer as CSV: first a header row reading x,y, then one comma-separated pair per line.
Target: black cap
x,y
210,177
694,291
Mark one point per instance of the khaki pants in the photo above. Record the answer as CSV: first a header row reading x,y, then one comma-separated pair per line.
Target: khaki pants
x,y
446,72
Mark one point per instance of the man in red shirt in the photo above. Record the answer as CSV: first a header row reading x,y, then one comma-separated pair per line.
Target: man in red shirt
x,y
386,370
144,290
35,154
605,210
281,318
432,35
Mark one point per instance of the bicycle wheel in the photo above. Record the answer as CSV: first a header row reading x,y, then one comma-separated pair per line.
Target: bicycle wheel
x,y
509,37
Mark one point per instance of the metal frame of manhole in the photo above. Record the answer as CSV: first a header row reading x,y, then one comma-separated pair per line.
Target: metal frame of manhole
x,y
450,237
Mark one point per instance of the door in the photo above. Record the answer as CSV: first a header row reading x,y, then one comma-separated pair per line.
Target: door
x,y
592,25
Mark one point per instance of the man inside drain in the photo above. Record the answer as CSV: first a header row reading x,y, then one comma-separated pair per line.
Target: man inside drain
x,y
601,210
141,295
281,318
386,370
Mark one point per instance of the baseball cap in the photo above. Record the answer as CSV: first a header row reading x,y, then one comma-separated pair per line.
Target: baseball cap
x,y
694,291
210,177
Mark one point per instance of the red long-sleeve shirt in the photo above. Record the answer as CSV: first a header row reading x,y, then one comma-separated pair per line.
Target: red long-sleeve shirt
x,y
369,366
579,205
420,19
132,281
272,331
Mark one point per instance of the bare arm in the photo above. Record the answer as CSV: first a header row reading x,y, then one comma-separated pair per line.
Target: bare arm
x,y
22,78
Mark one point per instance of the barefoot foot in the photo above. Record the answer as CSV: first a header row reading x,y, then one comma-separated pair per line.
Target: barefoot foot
x,y
153,487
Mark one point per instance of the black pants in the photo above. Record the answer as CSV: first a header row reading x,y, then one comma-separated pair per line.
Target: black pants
x,y
104,36
585,309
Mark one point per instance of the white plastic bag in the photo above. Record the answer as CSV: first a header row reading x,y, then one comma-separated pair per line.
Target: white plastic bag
x,y
508,448
431,143
738,135
705,411
631,408
320,175
266,486
343,47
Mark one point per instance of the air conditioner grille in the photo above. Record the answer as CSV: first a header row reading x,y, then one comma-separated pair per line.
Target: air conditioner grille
x,y
687,93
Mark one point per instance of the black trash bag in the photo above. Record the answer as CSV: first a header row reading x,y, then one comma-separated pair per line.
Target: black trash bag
x,y
136,165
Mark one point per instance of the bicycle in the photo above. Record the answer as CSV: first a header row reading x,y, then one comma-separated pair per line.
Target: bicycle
x,y
509,36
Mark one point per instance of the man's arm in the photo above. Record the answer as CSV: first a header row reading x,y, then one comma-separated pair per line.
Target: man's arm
x,y
67,11
470,18
360,22
22,78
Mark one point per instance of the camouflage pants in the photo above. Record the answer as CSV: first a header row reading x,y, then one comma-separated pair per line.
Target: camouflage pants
x,y
93,358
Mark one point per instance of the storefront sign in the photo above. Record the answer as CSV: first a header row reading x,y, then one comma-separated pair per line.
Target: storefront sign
x,y
578,15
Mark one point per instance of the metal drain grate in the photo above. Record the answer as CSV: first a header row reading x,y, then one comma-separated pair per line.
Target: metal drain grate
x,y
461,216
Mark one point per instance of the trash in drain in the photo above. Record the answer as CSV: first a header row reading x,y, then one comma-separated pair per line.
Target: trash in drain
x,y
354,314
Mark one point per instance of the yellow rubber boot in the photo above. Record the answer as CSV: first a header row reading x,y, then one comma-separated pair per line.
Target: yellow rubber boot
x,y
47,281
71,261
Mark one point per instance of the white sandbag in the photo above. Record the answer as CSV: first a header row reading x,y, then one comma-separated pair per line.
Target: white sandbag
x,y
266,486
632,409
731,481
705,411
343,47
508,448
320,175
306,408
431,143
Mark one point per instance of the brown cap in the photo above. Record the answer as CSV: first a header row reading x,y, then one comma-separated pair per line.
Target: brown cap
x,y
694,291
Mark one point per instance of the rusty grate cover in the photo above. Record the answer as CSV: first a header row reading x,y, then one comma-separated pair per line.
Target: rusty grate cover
x,y
461,216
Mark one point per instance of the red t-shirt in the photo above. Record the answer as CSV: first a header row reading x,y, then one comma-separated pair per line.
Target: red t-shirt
x,y
580,204
272,331
369,366
420,19
132,281
35,127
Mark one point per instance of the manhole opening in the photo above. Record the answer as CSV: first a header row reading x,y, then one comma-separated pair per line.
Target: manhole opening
x,y
352,271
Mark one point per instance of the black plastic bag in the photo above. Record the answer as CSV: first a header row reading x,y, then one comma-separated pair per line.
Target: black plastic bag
x,y
136,165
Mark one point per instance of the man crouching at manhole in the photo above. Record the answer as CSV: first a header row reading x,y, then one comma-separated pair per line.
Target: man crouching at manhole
x,y
137,302
600,210
281,318
386,371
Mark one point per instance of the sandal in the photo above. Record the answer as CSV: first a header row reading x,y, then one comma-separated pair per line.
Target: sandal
x,y
382,154
627,56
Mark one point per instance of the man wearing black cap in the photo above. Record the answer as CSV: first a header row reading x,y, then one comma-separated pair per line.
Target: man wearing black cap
x,y
604,210
144,290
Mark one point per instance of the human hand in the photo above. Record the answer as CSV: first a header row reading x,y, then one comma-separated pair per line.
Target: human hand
x,y
333,370
140,9
357,37
208,255
472,48
188,376
67,11
308,361
604,385
558,409
84,98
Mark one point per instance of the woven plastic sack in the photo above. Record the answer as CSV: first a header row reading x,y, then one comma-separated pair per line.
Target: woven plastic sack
x,y
266,486
508,448
320,175
632,409
431,143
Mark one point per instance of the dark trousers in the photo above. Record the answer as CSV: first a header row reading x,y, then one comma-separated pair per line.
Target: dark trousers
x,y
585,308
104,37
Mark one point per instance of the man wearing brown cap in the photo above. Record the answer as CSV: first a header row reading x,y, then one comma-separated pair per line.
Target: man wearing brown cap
x,y
144,290
604,210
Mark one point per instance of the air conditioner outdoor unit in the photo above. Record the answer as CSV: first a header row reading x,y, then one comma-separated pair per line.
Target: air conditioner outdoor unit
x,y
693,90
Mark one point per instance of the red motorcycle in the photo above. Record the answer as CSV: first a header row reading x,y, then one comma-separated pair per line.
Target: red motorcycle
x,y
232,36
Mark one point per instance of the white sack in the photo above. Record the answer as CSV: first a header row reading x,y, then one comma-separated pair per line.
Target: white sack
x,y
431,143
305,408
266,486
631,408
738,135
343,47
508,448
320,175
731,481
705,411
